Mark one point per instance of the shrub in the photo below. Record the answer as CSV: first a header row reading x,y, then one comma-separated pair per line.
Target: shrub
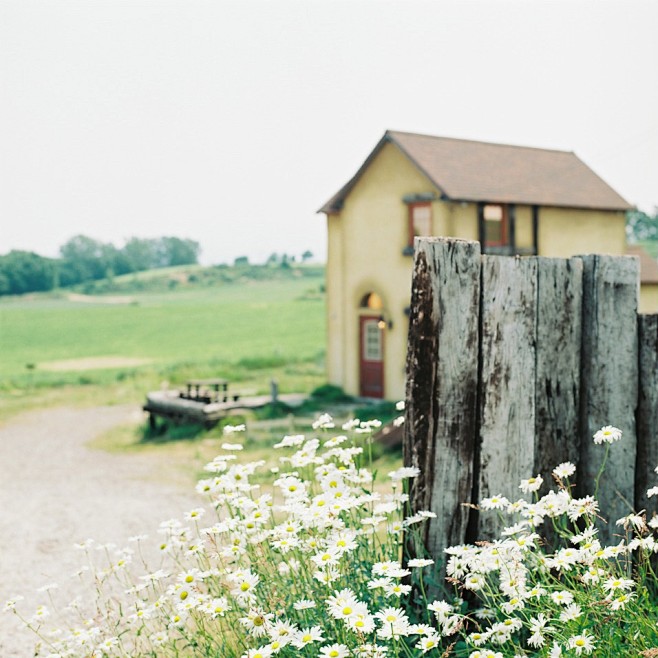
x,y
331,394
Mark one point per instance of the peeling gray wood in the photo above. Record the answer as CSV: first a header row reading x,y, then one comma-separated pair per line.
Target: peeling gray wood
x,y
507,389
513,365
647,413
442,365
557,394
609,382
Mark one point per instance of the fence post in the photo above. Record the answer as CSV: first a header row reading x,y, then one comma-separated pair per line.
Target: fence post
x,y
647,410
557,387
507,384
609,382
442,365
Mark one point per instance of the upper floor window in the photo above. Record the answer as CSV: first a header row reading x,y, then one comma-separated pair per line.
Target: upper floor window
x,y
495,225
420,220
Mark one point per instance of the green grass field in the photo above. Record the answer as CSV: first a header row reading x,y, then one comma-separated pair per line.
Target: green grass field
x,y
247,331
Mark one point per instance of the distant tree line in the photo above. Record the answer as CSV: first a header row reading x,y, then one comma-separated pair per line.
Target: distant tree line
x,y
84,259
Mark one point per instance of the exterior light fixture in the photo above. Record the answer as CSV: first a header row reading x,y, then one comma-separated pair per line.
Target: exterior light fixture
x,y
382,323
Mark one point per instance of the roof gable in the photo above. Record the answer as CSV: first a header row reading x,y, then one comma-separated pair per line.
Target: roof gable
x,y
479,171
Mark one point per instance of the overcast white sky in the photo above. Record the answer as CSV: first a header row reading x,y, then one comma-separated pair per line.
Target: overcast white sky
x,y
231,123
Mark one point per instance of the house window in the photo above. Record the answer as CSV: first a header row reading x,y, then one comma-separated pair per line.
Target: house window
x,y
420,221
372,301
495,225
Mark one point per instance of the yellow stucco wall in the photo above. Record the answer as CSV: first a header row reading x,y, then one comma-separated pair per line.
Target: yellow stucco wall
x,y
648,302
366,241
365,254
335,286
565,232
463,220
523,227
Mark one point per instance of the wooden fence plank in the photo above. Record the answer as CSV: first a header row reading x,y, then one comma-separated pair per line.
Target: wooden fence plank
x,y
557,392
507,386
647,411
609,382
442,363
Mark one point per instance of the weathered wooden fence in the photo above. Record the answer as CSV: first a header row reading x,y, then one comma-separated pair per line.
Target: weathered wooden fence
x,y
513,365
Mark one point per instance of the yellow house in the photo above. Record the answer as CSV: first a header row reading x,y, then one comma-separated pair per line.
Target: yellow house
x,y
514,200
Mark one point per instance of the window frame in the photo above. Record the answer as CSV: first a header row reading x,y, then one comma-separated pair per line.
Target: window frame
x,y
411,206
504,226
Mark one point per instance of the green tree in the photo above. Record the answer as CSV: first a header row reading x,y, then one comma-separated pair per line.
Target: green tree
x,y
85,258
140,254
178,251
641,226
25,271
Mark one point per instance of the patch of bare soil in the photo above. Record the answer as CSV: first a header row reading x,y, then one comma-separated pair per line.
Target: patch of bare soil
x,y
93,363
55,491
104,299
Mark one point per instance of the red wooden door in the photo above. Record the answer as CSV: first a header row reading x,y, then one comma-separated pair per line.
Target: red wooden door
x,y
371,357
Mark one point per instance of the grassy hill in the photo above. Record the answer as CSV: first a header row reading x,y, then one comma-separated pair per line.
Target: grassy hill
x,y
192,276
245,323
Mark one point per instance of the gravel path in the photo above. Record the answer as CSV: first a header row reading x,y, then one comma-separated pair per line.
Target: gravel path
x,y
54,491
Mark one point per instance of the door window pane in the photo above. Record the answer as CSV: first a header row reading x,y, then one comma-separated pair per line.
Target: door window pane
x,y
372,341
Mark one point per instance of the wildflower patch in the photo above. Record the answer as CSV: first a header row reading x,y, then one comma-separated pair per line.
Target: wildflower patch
x,y
319,567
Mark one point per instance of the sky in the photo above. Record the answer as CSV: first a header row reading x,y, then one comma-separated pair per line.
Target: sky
x,y
231,123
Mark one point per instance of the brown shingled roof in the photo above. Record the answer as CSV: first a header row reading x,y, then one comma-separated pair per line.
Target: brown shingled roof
x,y
479,171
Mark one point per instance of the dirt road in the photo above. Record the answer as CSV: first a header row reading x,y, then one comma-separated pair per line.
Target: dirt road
x,y
54,491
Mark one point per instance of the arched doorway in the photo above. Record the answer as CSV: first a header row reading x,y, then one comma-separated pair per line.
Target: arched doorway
x,y
371,346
